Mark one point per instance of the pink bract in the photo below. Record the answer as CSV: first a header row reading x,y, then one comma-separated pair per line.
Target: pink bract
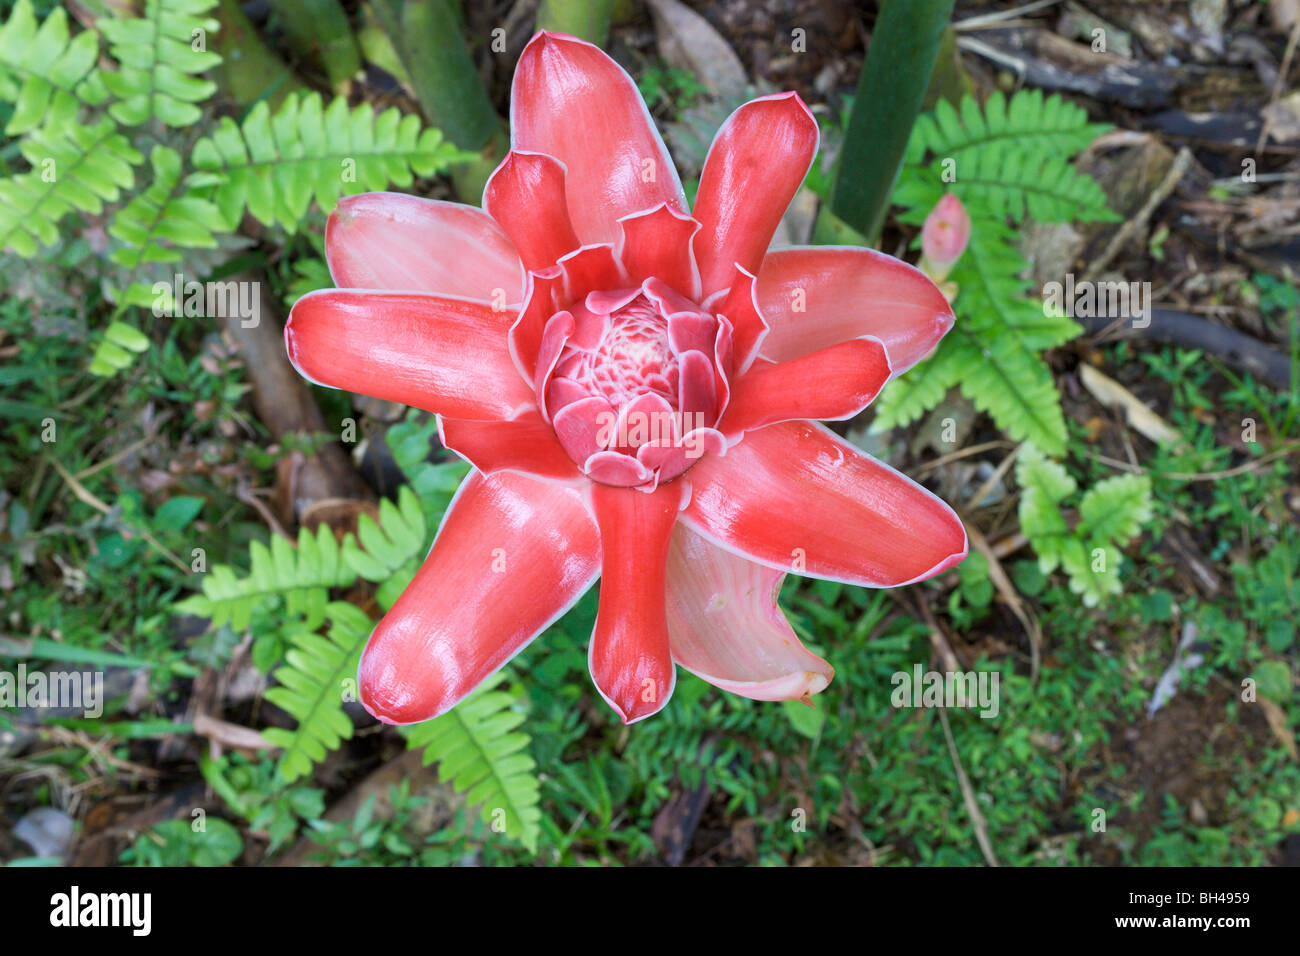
x,y
636,386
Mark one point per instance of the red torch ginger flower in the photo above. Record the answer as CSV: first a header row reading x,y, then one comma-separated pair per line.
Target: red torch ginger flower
x,y
636,387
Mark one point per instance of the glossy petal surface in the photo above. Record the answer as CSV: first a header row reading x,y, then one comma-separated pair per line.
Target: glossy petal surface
x,y
795,496
446,356
819,296
513,554
524,444
526,196
830,384
630,658
405,243
756,164
572,102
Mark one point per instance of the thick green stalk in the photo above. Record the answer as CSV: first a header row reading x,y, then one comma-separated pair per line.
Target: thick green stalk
x,y
428,37
430,41
319,30
586,19
892,86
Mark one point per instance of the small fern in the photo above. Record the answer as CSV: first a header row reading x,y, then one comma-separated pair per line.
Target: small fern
x,y
992,350
389,552
82,106
1111,513
166,217
318,675
479,752
275,165
1010,161
42,68
1031,120
159,57
75,168
118,348
302,576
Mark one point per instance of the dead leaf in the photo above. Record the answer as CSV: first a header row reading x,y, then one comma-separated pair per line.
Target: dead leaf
x,y
1140,418
687,41
1276,718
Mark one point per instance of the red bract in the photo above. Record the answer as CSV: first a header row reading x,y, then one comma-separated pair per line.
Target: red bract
x,y
634,386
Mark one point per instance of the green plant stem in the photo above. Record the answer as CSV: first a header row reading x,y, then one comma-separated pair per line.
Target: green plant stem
x,y
431,44
319,30
428,37
890,91
586,19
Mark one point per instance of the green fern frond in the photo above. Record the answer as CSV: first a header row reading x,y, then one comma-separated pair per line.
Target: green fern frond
x,y
276,165
117,349
1111,513
302,576
44,70
160,56
1029,122
318,675
383,549
478,751
390,552
922,388
1013,385
1011,159
1006,183
992,350
169,211
1116,509
77,169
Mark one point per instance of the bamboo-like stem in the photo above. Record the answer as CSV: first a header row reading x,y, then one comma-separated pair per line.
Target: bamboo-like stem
x,y
586,19
320,31
895,76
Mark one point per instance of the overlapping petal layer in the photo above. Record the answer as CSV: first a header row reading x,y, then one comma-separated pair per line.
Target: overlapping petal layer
x,y
769,141
512,555
571,101
724,624
796,496
405,243
824,295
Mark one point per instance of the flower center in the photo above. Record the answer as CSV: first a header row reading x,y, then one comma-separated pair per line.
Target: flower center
x,y
633,391
632,358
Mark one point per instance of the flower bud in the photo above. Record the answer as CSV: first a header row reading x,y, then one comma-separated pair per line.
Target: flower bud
x,y
944,237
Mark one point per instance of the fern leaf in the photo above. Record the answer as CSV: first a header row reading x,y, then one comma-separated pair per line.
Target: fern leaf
x,y
1012,384
1116,509
77,169
1030,122
117,349
43,69
383,549
921,388
276,165
478,751
166,217
992,350
302,576
160,56
317,674
1011,158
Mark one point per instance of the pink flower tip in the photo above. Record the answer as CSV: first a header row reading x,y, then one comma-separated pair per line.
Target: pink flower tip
x,y
944,236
